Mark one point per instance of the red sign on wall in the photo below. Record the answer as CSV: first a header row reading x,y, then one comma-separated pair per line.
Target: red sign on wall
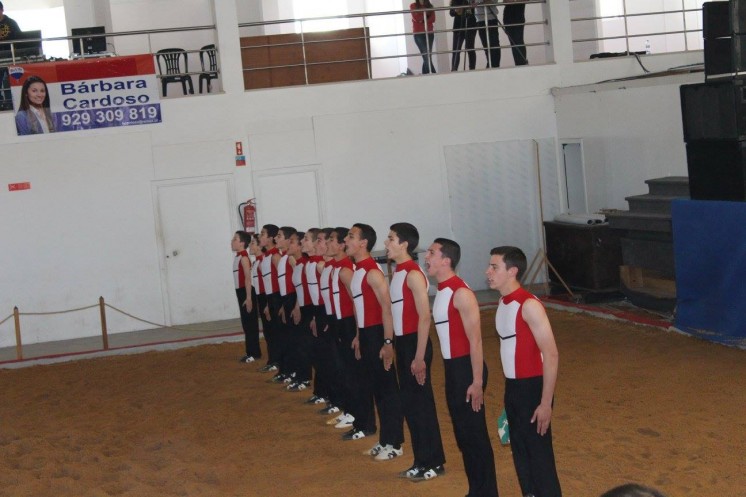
x,y
14,187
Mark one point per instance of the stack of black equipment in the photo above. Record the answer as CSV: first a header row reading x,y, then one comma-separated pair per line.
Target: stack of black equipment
x,y
714,112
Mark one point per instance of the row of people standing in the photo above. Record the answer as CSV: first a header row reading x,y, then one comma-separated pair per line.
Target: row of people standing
x,y
347,323
471,18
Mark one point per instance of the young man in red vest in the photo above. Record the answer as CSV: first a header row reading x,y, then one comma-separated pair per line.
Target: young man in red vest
x,y
529,357
456,315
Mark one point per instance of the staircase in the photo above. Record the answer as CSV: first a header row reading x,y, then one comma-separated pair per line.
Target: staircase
x,y
648,277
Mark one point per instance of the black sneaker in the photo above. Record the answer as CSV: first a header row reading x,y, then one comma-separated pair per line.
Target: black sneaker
x,y
267,368
410,472
424,474
330,409
247,359
278,378
313,398
355,434
298,386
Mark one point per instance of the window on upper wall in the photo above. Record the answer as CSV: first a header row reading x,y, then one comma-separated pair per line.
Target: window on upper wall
x,y
649,26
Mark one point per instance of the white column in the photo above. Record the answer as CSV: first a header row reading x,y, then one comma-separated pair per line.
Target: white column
x,y
229,46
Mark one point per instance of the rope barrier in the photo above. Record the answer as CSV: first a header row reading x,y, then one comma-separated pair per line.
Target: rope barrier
x,y
104,331
168,327
56,312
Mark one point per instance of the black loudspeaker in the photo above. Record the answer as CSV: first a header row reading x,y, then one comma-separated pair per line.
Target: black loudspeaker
x,y
716,20
717,170
714,110
723,19
725,56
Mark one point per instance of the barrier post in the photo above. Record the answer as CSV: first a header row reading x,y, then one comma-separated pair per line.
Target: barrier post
x,y
17,320
102,310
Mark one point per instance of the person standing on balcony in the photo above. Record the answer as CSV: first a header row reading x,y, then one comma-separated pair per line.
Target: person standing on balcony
x,y
464,30
422,29
514,19
487,28
9,29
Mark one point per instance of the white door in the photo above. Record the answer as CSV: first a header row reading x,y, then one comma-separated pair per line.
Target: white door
x,y
195,220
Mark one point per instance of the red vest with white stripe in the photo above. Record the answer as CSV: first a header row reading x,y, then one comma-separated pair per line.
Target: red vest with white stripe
x,y
343,307
285,275
521,357
325,287
269,272
403,308
239,278
367,308
448,323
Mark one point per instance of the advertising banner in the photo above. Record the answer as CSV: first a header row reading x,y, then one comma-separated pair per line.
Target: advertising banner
x,y
51,97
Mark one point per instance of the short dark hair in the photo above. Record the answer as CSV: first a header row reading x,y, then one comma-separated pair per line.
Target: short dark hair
x,y
407,232
450,249
271,229
341,232
1,6
244,237
288,231
314,232
326,232
632,490
367,233
513,257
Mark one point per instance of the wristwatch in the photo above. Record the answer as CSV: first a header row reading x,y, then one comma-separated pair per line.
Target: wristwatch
x,y
388,341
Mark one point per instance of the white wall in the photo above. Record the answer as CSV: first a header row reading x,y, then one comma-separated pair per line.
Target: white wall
x,y
631,132
87,226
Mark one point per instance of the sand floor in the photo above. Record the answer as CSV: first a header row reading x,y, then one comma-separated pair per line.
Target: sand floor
x,y
632,404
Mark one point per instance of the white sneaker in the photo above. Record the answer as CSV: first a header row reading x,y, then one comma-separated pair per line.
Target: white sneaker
x,y
389,452
374,451
346,421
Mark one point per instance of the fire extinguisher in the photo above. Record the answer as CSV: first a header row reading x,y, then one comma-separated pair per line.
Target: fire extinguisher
x,y
247,211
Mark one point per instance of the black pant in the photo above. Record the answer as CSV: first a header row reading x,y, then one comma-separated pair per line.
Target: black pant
x,y
464,30
330,363
349,379
272,329
318,344
379,385
302,345
418,404
515,13
249,322
286,332
470,428
533,454
490,38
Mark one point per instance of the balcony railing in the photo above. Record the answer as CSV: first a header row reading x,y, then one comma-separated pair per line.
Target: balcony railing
x,y
380,45
635,26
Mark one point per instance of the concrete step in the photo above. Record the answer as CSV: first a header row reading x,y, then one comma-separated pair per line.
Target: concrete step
x,y
673,186
648,202
639,221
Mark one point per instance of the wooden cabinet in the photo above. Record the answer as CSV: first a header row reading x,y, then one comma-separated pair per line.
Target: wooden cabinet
x,y
587,257
288,59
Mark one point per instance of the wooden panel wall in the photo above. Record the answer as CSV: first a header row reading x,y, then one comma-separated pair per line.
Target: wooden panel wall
x,y
330,56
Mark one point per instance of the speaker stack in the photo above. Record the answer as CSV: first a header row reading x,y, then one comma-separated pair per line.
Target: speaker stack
x,y
714,112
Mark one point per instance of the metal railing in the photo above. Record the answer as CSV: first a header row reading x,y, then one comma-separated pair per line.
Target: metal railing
x,y
641,31
374,40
